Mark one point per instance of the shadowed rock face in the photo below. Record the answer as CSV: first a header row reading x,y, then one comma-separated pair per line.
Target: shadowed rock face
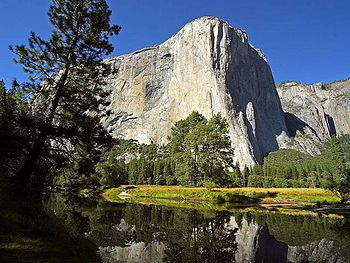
x,y
315,112
209,67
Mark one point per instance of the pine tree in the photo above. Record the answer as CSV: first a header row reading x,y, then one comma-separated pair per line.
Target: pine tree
x,y
246,174
337,155
142,177
66,74
169,174
15,138
201,149
133,171
341,176
7,133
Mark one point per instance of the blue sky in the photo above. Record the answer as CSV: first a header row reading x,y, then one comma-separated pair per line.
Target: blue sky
x,y
305,40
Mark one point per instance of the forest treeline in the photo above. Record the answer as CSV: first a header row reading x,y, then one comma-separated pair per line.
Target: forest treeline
x,y
51,133
199,154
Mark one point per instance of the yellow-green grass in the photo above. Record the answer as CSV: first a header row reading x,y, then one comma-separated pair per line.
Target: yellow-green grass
x,y
246,195
290,194
208,207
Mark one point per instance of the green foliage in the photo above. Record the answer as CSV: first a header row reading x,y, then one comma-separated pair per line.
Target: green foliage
x,y
255,181
65,92
345,144
30,233
238,178
290,168
201,150
133,171
78,173
340,182
15,136
111,170
337,156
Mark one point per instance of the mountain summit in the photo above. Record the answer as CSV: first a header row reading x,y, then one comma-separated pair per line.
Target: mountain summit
x,y
209,67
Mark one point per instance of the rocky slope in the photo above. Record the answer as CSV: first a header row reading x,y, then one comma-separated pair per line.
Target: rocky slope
x,y
315,112
209,67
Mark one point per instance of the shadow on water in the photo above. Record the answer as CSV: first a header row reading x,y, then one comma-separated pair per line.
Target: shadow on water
x,y
129,232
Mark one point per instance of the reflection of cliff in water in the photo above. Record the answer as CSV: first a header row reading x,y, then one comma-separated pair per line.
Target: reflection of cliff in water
x,y
254,244
136,252
146,233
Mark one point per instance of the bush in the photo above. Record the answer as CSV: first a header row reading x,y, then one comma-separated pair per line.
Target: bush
x,y
255,181
268,181
209,184
281,182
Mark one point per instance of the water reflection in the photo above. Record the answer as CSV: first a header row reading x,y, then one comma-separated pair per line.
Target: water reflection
x,y
126,232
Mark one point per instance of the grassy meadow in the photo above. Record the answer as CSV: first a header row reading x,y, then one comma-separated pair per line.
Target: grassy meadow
x,y
246,195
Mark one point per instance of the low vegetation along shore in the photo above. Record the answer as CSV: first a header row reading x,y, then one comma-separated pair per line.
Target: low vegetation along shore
x,y
312,199
247,195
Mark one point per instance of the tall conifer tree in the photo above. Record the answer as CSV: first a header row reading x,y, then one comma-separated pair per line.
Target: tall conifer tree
x,y
66,74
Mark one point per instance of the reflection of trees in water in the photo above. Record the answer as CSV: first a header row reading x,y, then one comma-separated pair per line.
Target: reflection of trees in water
x,y
202,240
189,235
98,221
68,212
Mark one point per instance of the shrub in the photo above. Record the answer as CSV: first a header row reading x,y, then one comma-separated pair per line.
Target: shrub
x,y
268,181
255,181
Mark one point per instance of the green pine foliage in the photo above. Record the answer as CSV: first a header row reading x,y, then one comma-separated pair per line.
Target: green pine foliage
x,y
290,168
340,180
10,134
199,153
345,144
201,150
64,92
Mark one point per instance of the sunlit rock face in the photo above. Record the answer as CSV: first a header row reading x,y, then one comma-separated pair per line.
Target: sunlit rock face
x,y
209,67
315,112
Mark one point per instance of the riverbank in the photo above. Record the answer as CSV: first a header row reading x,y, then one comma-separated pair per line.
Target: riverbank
x,y
233,195
311,199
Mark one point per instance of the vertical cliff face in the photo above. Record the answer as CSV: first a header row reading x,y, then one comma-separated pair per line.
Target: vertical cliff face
x,y
315,112
209,67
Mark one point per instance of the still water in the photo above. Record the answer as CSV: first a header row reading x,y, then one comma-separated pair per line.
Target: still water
x,y
130,232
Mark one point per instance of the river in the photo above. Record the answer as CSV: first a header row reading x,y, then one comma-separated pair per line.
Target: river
x,y
132,232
